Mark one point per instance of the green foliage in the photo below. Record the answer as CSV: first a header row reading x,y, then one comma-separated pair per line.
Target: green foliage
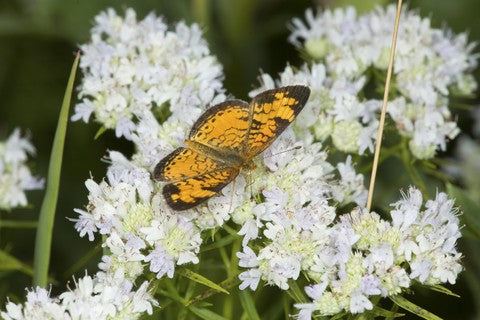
x,y
413,308
10,263
47,213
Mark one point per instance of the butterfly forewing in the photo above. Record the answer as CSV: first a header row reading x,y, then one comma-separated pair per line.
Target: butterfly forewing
x,y
272,113
223,127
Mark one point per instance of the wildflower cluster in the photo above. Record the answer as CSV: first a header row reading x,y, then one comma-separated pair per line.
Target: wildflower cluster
x,y
334,109
430,64
15,176
136,69
104,296
129,210
369,256
150,84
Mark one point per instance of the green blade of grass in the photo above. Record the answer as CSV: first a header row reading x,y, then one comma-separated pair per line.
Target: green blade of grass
x,y
248,305
43,239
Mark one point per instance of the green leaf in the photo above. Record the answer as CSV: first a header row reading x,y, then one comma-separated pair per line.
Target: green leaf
x,y
43,239
380,312
413,308
248,305
206,314
471,209
10,263
227,283
100,131
442,289
200,279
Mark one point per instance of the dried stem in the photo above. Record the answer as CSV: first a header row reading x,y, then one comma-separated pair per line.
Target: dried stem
x,y
384,108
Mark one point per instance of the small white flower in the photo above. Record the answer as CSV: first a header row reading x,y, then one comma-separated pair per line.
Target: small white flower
x,y
15,176
250,278
175,241
360,303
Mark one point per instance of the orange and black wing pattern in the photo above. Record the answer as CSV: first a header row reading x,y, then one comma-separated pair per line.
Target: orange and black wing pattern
x,y
272,111
223,140
223,127
193,177
186,194
184,163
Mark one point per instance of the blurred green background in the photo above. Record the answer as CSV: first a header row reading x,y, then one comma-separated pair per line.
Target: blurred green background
x,y
38,39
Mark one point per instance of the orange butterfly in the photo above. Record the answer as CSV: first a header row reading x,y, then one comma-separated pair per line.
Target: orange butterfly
x,y
224,140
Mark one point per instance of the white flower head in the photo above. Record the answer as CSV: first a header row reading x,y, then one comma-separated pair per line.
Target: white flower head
x,y
132,68
429,62
15,176
174,241
333,108
99,297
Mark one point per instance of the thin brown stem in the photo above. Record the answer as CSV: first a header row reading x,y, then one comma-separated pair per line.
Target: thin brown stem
x,y
384,108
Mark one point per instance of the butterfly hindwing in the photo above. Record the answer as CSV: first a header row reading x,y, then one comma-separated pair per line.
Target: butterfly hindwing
x,y
272,112
188,193
223,127
184,163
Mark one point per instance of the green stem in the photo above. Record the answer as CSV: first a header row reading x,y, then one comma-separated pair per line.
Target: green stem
x,y
224,255
232,270
409,165
386,153
201,12
82,261
43,239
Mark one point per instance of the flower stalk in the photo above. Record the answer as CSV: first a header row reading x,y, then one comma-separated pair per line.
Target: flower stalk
x,y
384,108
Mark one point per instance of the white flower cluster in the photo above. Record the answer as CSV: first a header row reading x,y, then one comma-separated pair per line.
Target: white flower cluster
x,y
100,297
138,225
429,64
143,64
333,109
15,176
360,256
295,211
134,70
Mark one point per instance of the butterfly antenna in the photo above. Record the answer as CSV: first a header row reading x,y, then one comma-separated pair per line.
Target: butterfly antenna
x,y
283,151
231,198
